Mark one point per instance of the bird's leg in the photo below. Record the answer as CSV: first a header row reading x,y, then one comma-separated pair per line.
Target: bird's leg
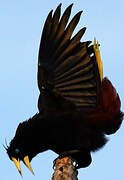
x,y
81,157
68,153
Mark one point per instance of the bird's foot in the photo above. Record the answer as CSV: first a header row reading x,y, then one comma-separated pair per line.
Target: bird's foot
x,y
81,158
68,153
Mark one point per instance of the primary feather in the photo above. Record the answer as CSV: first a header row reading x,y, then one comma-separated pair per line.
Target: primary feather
x,y
65,65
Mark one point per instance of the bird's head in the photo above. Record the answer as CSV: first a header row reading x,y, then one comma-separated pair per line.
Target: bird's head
x,y
26,145
17,152
19,149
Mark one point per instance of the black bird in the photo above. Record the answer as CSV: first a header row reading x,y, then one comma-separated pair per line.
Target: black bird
x,y
77,106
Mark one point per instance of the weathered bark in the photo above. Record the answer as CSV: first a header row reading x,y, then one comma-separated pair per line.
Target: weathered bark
x,y
64,169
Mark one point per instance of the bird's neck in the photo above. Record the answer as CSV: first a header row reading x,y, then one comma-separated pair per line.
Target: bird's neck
x,y
34,135
39,132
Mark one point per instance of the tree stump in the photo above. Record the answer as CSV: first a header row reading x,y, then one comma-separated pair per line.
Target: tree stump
x,y
65,169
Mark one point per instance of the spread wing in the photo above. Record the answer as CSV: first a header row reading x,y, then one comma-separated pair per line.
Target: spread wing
x,y
66,65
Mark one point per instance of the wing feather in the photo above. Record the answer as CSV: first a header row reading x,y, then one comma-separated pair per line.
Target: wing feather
x,y
66,65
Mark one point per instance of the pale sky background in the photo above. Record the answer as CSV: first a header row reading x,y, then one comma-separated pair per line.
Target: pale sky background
x,y
21,23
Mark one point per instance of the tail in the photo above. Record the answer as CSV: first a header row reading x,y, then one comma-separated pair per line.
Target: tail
x,y
108,116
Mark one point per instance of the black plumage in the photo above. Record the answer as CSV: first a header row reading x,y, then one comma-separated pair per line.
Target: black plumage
x,y
77,107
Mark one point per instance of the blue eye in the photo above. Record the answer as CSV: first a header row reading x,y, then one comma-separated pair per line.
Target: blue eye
x,y
17,150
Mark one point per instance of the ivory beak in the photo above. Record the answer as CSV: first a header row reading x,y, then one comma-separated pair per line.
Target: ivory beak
x,y
17,164
27,163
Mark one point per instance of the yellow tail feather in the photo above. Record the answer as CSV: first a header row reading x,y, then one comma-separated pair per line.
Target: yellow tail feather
x,y
98,58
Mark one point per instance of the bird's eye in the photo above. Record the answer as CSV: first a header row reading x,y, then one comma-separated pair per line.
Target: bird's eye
x,y
17,151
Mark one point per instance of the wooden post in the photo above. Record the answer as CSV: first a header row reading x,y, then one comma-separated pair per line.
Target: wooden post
x,y
64,169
